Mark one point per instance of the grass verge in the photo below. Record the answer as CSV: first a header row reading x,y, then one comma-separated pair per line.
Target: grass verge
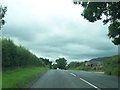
x,y
0,80
21,77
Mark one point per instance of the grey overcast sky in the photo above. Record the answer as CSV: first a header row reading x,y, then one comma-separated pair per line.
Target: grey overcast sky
x,y
55,28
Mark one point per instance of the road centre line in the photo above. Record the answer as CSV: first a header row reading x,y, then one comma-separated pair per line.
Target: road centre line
x,y
90,84
73,74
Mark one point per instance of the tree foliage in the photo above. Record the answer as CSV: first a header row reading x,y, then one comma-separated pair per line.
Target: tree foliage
x,y
74,64
47,62
2,15
54,66
112,65
106,11
17,56
61,63
114,32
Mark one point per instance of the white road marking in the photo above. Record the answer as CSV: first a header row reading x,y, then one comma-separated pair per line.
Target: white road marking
x,y
90,84
73,74
87,82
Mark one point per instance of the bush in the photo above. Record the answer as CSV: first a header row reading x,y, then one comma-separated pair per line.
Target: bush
x,y
111,66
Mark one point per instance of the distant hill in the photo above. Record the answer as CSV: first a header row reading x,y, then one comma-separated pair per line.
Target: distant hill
x,y
100,59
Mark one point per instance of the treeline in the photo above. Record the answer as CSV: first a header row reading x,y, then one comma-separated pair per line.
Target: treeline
x,y
47,62
76,66
18,56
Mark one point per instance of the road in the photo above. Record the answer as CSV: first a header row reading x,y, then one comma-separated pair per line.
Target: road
x,y
75,79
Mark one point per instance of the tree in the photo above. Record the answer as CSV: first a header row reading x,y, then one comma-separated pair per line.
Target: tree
x,y
50,64
8,53
61,63
46,62
2,15
54,66
94,11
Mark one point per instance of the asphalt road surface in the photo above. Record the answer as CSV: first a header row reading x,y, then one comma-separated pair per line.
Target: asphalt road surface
x,y
75,79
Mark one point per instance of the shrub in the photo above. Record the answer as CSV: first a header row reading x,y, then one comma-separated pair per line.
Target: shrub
x,y
112,65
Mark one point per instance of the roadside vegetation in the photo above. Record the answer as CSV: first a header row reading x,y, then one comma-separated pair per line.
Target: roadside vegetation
x,y
0,79
111,67
19,65
21,77
17,56
80,66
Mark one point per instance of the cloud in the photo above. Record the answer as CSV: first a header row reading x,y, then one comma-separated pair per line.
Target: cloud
x,y
53,29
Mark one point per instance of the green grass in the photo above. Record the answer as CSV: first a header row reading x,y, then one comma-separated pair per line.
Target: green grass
x,y
0,79
21,77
